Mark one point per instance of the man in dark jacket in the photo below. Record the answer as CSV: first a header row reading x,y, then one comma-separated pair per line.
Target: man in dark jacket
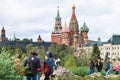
x,y
32,62
99,65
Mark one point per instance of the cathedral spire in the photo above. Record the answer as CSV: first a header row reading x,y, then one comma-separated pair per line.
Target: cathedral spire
x,y
73,22
74,27
58,26
14,37
58,14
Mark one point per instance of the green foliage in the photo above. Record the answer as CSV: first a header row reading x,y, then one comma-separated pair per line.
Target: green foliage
x,y
106,57
81,71
96,52
26,40
84,59
85,78
71,61
100,78
70,78
7,67
60,51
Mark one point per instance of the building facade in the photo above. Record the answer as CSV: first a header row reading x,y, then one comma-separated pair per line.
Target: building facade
x,y
72,35
110,48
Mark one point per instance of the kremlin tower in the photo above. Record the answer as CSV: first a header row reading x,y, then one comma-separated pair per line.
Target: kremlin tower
x,y
56,34
70,35
39,39
3,35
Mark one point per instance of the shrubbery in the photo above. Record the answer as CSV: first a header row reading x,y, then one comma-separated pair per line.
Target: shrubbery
x,y
70,61
81,71
86,78
7,67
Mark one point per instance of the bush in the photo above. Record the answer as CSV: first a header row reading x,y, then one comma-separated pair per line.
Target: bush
x,y
70,78
7,67
70,61
81,71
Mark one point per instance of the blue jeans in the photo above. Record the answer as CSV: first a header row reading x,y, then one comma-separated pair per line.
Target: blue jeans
x,y
99,70
108,72
116,72
91,71
38,75
31,77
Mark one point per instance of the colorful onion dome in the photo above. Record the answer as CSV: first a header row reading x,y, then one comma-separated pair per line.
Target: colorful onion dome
x,y
84,28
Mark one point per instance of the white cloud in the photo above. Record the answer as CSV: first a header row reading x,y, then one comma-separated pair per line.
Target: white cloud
x,y
29,18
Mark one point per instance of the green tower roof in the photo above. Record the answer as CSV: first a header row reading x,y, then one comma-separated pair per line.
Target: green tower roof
x,y
84,28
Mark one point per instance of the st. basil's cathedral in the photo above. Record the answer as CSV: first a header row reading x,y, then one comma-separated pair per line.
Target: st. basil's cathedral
x,y
71,35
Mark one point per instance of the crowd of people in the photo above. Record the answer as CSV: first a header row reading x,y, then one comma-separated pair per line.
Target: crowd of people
x,y
35,67
99,66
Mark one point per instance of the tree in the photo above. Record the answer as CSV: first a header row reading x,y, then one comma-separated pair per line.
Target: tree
x,y
8,70
60,51
29,48
71,61
106,57
96,52
26,40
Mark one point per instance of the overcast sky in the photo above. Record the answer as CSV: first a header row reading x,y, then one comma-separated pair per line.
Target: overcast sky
x,y
30,18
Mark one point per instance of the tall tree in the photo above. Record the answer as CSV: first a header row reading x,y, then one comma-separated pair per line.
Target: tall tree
x,y
96,52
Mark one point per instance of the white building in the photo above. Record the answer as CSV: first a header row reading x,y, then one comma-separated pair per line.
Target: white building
x,y
111,47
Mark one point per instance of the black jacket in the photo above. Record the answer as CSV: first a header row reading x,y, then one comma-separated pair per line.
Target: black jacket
x,y
33,63
99,67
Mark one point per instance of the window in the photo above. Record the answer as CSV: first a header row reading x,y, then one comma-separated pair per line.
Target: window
x,y
112,47
113,53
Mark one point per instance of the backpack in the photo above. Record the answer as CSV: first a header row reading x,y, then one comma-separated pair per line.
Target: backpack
x,y
32,63
47,69
39,69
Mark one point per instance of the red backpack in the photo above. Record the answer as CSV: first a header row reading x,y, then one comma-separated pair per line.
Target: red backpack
x,y
47,69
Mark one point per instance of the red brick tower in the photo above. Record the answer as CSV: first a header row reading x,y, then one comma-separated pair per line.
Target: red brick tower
x,y
74,27
65,35
56,34
3,35
39,39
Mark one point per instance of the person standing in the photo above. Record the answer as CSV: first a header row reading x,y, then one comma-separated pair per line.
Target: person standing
x,y
40,68
32,62
47,68
99,65
116,68
57,63
92,67
108,67
50,57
